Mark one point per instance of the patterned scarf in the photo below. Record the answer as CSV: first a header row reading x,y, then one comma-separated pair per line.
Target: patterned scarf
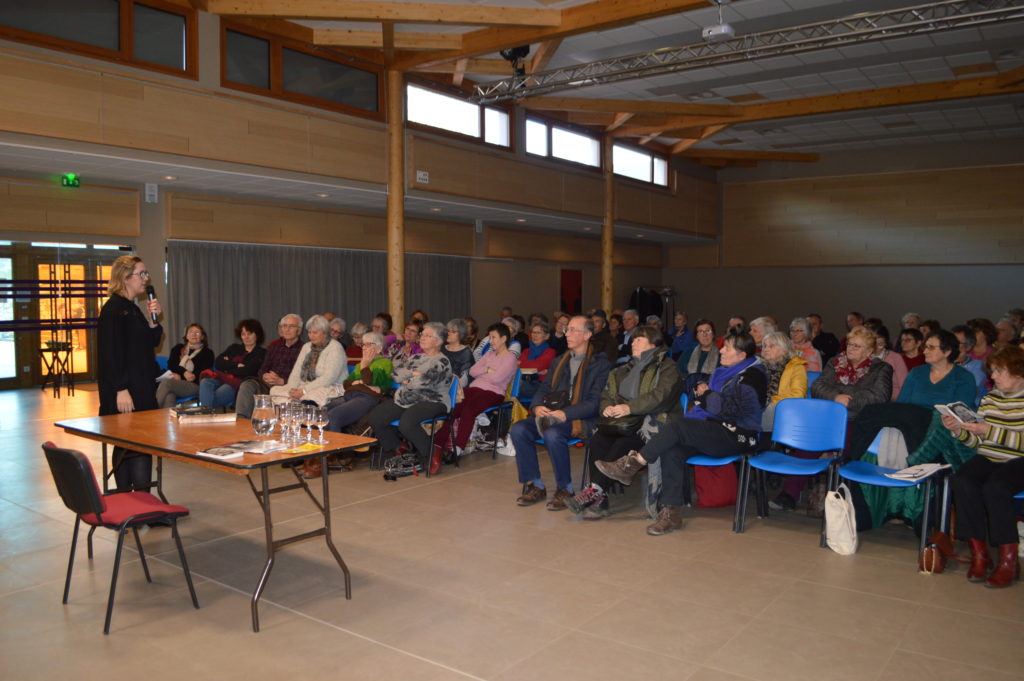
x,y
309,366
774,375
847,373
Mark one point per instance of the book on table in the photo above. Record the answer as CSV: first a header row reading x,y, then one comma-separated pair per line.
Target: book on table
x,y
237,449
194,414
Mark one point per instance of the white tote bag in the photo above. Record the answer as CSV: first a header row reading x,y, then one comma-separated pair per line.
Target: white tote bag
x,y
840,522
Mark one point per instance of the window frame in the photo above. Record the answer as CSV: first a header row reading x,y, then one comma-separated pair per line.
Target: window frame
x,y
459,94
550,123
653,155
126,39
277,43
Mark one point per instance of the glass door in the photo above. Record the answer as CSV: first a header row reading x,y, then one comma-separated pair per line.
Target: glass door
x,y
8,351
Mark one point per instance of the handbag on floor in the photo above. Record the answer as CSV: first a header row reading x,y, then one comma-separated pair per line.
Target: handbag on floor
x,y
840,521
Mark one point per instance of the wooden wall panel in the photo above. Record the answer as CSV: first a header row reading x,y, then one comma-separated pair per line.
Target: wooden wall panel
x,y
40,99
205,219
973,215
38,207
692,257
516,244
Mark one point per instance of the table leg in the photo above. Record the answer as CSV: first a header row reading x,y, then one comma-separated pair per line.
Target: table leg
x,y
327,529
264,499
160,479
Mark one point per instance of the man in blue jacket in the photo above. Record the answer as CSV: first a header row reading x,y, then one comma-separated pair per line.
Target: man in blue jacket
x,y
576,379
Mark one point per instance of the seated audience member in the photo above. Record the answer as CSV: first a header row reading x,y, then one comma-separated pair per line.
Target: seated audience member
x,y
910,343
787,374
505,312
339,333
536,317
557,341
639,397
382,324
698,363
800,335
680,336
893,359
238,362
653,320
472,332
535,362
735,325
724,422
854,378
824,342
985,335
761,327
614,327
602,340
366,384
519,334
630,320
910,320
319,369
984,487
419,316
276,367
1006,333
928,326
423,393
965,335
1016,317
408,345
456,350
853,320
355,351
186,361
574,385
491,376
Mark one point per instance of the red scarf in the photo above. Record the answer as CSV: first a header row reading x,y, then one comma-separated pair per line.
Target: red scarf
x,y
847,373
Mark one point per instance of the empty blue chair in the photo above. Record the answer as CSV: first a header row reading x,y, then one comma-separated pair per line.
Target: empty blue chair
x,y
800,423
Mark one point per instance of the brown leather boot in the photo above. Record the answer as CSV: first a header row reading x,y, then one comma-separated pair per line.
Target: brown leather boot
x,y
670,518
623,469
1008,569
981,562
435,459
312,468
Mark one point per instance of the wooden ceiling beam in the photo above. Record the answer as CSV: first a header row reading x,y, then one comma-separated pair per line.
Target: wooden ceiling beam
x,y
749,155
670,124
542,57
403,40
684,144
593,16
1011,77
484,67
630,106
620,120
460,72
398,12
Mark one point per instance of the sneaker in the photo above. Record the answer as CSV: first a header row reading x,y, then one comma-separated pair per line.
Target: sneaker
x,y
595,511
531,495
591,494
782,502
670,518
623,469
558,502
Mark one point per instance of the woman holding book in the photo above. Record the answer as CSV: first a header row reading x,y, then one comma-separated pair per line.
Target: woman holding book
x,y
186,362
984,487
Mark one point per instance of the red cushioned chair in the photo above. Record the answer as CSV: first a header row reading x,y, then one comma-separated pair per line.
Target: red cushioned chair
x,y
118,511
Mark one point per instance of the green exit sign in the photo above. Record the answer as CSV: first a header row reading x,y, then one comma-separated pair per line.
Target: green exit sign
x,y
70,180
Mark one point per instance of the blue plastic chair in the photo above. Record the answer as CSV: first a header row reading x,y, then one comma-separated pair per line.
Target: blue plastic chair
x,y
502,409
800,423
872,474
699,460
812,376
161,361
453,392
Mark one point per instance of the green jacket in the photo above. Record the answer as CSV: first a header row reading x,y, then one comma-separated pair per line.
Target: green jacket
x,y
660,388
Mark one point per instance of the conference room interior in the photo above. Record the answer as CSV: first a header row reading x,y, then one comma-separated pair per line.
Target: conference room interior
x,y
249,201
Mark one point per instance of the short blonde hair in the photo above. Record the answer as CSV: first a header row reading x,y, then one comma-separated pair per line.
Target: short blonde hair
x,y
864,333
119,273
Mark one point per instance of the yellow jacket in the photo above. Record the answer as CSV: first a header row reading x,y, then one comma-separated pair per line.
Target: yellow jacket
x,y
794,380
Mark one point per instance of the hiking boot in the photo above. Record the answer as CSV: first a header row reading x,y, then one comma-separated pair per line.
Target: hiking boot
x,y
558,502
623,469
670,518
591,494
596,511
531,495
1007,569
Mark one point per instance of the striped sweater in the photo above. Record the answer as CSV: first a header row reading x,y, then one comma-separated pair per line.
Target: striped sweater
x,y
1004,440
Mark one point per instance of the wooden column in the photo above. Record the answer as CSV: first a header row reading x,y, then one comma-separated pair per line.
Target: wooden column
x,y
396,197
608,230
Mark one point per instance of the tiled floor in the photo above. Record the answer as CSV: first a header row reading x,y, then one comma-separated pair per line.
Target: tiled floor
x,y
451,580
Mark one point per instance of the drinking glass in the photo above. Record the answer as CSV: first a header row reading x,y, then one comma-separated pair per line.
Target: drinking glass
x,y
320,414
308,420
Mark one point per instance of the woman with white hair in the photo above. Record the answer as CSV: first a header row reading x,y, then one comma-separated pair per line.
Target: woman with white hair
x,y
364,387
319,368
800,335
761,327
787,378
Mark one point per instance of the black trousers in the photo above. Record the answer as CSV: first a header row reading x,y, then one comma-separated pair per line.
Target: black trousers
x,y
132,469
609,448
681,439
983,492
408,424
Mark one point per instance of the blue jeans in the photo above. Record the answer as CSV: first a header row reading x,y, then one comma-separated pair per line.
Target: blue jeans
x,y
556,440
348,409
214,393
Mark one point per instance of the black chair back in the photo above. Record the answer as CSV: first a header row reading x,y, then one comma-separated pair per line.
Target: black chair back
x,y
76,483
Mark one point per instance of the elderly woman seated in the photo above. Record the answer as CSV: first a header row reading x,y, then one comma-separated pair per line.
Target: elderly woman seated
x,y
854,378
408,345
339,333
724,423
761,327
535,362
456,350
238,362
984,487
424,381
787,378
697,364
354,351
894,359
638,398
367,383
319,369
186,362
800,335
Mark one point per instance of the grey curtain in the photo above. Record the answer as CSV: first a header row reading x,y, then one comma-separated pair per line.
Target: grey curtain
x,y
217,284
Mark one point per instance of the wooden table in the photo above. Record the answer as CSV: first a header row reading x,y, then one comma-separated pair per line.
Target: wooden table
x,y
157,433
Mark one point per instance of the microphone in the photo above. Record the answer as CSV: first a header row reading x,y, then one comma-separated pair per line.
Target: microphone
x,y
151,295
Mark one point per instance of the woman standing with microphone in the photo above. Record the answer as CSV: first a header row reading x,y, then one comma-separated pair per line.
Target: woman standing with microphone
x,y
126,370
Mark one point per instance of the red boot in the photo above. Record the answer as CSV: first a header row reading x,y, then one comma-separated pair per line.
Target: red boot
x,y
981,562
435,459
1008,569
